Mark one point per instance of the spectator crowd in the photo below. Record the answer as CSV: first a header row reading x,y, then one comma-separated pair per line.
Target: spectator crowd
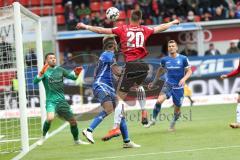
x,y
154,11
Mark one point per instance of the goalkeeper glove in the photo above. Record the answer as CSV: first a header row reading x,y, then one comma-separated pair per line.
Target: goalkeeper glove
x,y
44,69
77,70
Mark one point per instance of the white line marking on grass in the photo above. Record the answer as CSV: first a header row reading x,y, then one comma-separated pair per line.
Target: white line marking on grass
x,y
22,154
14,140
165,152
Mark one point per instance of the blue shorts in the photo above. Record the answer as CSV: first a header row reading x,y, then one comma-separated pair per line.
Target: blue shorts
x,y
103,94
177,93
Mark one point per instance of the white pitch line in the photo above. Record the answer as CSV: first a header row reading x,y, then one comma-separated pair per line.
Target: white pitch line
x,y
22,154
14,140
165,152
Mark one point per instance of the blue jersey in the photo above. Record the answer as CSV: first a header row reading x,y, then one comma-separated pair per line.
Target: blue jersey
x,y
103,75
175,68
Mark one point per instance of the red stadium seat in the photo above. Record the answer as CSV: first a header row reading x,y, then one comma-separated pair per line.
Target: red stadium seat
x,y
35,3
47,11
24,2
60,20
95,0
107,4
148,22
58,1
122,15
167,19
36,10
1,3
95,6
197,18
47,2
59,9
6,78
9,2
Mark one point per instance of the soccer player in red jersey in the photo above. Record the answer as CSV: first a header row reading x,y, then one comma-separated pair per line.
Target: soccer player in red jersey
x,y
232,74
133,38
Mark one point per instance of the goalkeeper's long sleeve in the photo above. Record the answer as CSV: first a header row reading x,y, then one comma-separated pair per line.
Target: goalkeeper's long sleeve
x,y
37,79
234,72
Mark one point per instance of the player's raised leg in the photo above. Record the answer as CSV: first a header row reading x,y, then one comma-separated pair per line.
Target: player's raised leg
x,y
120,123
108,108
115,132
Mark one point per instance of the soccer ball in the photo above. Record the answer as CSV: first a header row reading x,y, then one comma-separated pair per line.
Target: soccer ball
x,y
112,13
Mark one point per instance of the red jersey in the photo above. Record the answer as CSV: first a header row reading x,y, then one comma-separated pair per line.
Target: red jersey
x,y
133,40
234,72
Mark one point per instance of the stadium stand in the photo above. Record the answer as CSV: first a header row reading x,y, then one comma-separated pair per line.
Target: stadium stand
x,y
154,11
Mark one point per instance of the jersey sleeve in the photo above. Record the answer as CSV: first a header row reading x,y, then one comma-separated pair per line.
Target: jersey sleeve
x,y
186,63
69,74
148,31
234,72
117,31
162,63
37,79
108,58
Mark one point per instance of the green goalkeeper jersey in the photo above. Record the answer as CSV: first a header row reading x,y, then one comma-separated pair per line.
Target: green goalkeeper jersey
x,y
53,82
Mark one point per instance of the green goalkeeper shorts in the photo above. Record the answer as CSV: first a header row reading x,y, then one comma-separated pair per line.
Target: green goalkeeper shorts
x,y
62,109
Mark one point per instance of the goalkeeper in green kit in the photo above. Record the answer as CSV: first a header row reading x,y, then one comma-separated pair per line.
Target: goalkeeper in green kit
x,y
52,78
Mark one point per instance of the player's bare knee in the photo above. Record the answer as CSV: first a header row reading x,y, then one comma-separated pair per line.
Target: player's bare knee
x,y
72,122
108,107
161,98
238,100
50,117
108,110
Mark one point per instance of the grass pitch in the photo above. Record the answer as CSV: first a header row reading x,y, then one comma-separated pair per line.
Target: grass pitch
x,y
202,133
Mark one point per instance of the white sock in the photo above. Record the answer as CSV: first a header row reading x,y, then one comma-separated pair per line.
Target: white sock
x,y
238,113
141,95
118,114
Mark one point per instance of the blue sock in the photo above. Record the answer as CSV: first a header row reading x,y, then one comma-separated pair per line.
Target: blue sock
x,y
175,118
97,120
124,130
156,110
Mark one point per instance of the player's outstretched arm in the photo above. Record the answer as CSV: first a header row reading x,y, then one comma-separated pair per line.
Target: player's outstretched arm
x,y
165,26
73,75
233,73
223,76
95,29
39,77
160,71
187,75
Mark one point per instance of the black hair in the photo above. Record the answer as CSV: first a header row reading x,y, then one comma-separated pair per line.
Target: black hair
x,y
48,54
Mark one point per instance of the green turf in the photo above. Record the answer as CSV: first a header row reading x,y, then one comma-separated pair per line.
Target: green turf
x,y
11,129
194,139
